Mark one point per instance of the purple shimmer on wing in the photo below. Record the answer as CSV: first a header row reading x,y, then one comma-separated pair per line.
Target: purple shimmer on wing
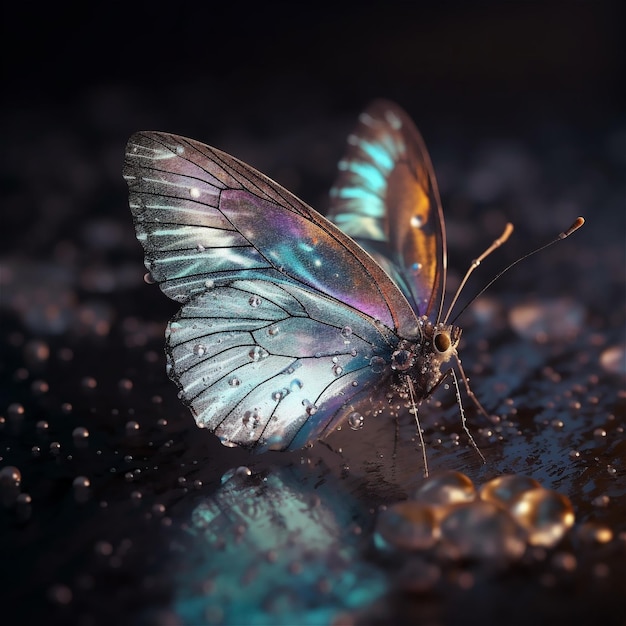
x,y
305,252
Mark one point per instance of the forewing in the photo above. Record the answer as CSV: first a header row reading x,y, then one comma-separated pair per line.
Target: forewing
x,y
205,218
386,198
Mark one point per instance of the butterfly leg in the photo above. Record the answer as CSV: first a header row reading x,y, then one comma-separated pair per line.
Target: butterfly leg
x,y
470,393
411,390
457,391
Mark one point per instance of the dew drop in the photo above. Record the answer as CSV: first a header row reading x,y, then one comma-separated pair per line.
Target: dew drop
x,y
199,349
613,360
23,507
36,351
346,332
125,385
158,509
15,410
593,532
227,443
42,426
295,384
241,472
254,301
234,382
10,481
39,387
194,192
356,421
309,407
81,485
272,331
60,594
377,363
417,221
132,427
55,448
337,370
80,435
89,382
257,353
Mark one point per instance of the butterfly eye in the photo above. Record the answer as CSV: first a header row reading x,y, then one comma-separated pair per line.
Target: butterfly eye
x,y
442,342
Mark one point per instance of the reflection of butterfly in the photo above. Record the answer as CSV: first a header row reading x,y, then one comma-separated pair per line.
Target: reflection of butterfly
x,y
285,318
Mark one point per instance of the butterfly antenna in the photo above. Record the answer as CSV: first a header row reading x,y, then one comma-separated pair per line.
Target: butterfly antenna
x,y
417,421
508,229
578,222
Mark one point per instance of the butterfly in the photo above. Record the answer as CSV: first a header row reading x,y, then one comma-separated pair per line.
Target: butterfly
x,y
289,317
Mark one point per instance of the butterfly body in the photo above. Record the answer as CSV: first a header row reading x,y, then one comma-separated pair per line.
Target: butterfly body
x,y
289,318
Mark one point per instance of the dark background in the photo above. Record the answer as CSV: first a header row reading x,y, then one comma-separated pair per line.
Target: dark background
x,y
522,106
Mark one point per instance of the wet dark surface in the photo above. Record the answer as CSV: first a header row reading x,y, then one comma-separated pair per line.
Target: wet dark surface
x,y
533,134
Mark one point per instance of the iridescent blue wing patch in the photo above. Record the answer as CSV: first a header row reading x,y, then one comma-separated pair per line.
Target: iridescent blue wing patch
x,y
284,317
386,198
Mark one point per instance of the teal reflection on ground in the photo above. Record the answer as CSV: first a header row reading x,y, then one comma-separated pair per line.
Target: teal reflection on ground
x,y
272,549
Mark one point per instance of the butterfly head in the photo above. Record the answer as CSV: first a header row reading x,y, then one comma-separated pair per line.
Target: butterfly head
x,y
422,359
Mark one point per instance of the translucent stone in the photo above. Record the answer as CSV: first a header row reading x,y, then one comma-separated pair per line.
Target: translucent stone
x,y
406,526
445,488
505,489
481,530
545,515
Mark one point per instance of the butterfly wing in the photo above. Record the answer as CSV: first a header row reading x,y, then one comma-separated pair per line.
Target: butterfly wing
x,y
272,293
386,198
